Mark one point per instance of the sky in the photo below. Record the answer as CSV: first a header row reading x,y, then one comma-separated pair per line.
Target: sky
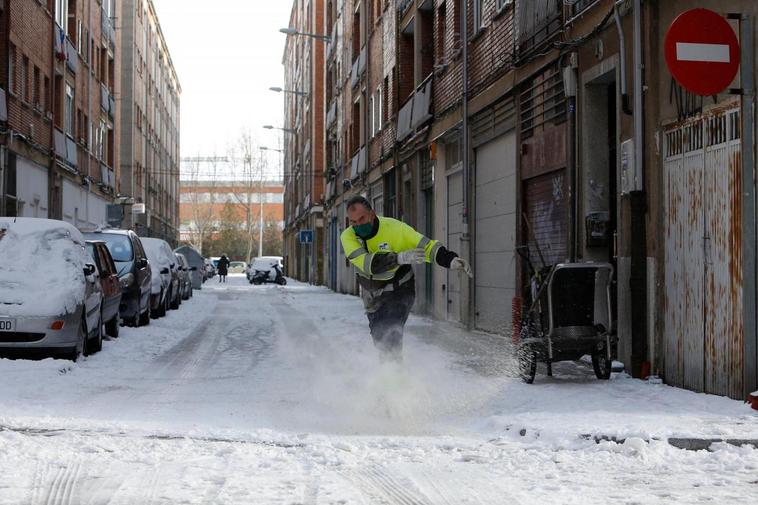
x,y
227,53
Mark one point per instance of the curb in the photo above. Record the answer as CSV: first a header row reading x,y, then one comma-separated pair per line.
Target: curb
x,y
687,444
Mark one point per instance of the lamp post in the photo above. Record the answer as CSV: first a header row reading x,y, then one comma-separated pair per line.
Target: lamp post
x,y
294,92
285,130
294,32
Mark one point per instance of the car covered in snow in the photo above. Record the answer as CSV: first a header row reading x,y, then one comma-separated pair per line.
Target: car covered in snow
x,y
263,263
165,281
237,267
49,296
134,273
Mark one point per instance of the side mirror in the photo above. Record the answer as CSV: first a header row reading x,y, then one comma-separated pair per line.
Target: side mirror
x,y
193,269
142,263
164,270
89,269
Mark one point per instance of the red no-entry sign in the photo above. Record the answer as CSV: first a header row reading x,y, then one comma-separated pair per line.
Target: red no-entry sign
x,y
702,52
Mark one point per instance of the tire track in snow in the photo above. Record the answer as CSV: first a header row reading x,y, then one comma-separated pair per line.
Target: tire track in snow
x,y
61,489
381,487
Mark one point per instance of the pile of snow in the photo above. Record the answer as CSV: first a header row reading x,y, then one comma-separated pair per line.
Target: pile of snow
x,y
42,268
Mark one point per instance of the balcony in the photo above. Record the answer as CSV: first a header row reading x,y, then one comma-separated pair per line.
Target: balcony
x,y
107,176
359,68
358,164
537,22
65,148
331,115
109,33
416,111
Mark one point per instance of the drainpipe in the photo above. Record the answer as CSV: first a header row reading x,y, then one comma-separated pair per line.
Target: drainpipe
x,y
466,299
638,202
748,205
570,89
54,208
622,53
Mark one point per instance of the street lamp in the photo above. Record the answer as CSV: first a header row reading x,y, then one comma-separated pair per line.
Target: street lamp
x,y
294,92
285,130
292,31
262,148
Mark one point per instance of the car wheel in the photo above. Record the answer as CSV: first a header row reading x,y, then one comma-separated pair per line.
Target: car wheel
x,y
144,318
175,301
112,326
81,342
94,344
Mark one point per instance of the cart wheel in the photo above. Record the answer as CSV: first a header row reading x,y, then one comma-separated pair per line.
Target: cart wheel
x,y
602,365
527,364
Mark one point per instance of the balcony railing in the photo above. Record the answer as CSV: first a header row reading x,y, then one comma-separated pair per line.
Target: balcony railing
x,y
359,68
358,163
537,21
416,111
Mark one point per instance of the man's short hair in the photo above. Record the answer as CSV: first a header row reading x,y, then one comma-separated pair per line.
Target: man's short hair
x,y
358,200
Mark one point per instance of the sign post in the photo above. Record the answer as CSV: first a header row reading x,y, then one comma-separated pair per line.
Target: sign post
x,y
702,52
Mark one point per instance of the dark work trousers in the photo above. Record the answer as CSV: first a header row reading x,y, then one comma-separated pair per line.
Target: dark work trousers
x,y
387,314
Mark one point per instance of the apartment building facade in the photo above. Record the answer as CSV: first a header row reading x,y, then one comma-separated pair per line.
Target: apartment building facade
x,y
149,125
493,125
304,115
58,112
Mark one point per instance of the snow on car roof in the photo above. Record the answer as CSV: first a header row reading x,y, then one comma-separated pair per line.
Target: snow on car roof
x,y
42,269
156,252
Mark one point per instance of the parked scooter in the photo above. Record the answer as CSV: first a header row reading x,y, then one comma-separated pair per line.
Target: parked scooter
x,y
263,276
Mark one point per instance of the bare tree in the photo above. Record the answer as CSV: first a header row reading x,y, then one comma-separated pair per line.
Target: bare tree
x,y
201,175
249,166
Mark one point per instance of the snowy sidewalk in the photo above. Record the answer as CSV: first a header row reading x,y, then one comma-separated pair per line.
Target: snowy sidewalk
x,y
268,394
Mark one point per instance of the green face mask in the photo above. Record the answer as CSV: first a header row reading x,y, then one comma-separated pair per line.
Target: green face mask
x,y
363,230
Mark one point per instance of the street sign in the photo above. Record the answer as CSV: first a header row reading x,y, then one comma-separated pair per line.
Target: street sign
x,y
702,52
306,236
139,208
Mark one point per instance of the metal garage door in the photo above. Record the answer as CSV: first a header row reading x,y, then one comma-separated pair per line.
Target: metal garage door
x,y
703,250
495,215
454,231
546,208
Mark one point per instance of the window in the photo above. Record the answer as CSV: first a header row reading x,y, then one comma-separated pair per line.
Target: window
x,y
69,111
36,99
12,69
378,113
71,19
441,30
46,95
61,13
478,16
385,100
372,119
23,79
79,36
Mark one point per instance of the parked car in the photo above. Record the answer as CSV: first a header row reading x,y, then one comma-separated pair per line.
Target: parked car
x,y
49,296
210,269
165,281
109,283
134,273
237,267
250,271
196,263
185,283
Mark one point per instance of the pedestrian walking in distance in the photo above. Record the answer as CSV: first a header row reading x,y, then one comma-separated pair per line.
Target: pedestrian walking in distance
x,y
383,251
223,268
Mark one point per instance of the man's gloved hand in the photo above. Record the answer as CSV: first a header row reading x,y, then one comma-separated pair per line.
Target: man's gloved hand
x,y
462,265
412,257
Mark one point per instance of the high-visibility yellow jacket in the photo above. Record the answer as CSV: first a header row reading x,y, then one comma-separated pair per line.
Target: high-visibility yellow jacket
x,y
376,257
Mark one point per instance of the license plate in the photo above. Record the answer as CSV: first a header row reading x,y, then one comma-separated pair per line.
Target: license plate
x,y
7,324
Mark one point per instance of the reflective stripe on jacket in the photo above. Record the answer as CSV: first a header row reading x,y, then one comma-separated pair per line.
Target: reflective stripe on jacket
x,y
393,236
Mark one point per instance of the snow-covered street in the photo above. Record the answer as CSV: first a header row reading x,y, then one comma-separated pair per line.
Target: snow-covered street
x,y
272,394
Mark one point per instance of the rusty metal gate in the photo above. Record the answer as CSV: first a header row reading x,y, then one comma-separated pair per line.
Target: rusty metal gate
x,y
703,337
